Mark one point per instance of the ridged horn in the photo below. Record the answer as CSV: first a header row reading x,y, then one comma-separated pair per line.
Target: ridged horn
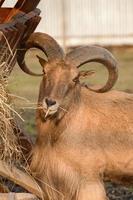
x,y
43,42
83,55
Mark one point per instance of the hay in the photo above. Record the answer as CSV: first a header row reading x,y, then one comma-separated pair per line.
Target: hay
x,y
10,151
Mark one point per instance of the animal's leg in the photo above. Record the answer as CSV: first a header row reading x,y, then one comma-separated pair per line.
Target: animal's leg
x,y
92,191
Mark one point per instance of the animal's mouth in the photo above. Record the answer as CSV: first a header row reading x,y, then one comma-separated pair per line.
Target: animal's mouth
x,y
50,110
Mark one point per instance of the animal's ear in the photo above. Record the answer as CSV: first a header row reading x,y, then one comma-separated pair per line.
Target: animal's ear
x,y
41,61
84,74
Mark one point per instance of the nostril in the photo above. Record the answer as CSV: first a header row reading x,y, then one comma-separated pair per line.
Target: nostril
x,y
53,103
46,100
50,102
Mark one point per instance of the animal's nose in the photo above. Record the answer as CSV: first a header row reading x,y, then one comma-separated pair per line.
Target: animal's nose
x,y
50,102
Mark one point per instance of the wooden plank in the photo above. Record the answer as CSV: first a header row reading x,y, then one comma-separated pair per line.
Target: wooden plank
x,y
1,2
27,6
17,196
4,12
31,26
20,178
20,23
12,13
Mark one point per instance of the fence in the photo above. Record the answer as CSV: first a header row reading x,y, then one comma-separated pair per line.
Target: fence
x,y
77,22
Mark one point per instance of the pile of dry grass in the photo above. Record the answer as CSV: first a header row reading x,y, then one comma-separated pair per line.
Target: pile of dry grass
x,y
9,148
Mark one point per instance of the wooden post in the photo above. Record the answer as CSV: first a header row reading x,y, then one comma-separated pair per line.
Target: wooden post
x,y
17,196
20,178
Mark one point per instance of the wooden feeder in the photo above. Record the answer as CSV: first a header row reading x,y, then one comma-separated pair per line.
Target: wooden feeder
x,y
16,25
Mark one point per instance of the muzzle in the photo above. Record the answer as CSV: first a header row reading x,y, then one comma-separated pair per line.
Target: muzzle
x,y
50,107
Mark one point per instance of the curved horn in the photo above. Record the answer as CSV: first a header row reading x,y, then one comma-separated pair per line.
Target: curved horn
x,y
43,42
86,54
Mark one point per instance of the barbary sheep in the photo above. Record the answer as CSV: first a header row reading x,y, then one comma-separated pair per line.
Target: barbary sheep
x,y
84,134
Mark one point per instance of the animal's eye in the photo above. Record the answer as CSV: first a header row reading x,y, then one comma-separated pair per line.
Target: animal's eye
x,y
76,79
43,71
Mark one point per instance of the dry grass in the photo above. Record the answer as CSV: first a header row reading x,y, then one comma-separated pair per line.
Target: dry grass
x,y
10,151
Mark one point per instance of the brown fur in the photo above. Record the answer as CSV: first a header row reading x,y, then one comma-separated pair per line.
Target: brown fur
x,y
75,149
